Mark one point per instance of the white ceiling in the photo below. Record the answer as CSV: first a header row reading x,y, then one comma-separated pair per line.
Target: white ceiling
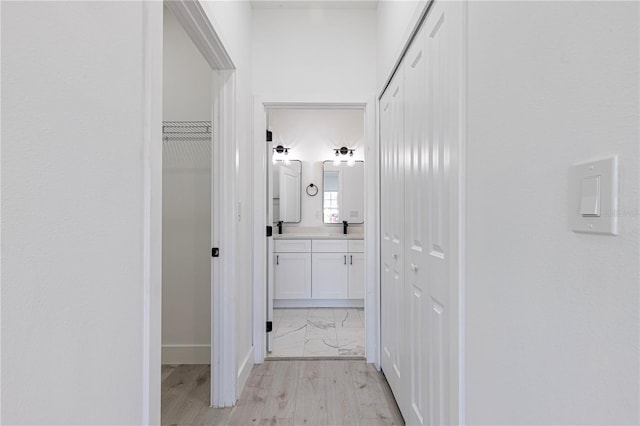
x,y
314,4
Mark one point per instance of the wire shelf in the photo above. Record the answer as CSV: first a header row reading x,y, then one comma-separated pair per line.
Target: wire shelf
x,y
187,145
186,130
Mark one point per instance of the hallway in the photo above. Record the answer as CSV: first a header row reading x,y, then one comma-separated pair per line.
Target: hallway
x,y
284,393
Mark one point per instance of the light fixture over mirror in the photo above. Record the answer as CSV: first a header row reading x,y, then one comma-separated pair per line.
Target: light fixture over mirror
x,y
344,151
281,150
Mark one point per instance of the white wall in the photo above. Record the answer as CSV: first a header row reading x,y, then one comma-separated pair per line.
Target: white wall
x,y
396,20
72,212
232,22
186,204
307,53
312,135
186,75
552,316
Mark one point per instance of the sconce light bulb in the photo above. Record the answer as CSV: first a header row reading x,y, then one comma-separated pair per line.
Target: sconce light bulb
x,y
351,162
336,162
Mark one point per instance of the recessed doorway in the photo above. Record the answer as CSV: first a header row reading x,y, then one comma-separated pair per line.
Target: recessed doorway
x,y
316,206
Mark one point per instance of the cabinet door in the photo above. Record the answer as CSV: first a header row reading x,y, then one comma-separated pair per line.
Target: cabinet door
x,y
292,275
330,275
356,276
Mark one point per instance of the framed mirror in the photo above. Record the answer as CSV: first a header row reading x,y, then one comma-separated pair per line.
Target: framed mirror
x,y
287,191
343,192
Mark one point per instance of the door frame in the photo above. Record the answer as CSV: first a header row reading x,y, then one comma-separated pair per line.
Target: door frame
x,y
371,220
194,20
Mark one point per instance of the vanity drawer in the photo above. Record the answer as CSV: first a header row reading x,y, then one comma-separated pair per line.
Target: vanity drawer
x,y
292,246
356,246
330,246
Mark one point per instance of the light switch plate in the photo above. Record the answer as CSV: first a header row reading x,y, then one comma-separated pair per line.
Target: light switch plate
x,y
594,197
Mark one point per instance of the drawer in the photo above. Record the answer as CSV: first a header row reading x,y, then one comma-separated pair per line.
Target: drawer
x,y
292,246
330,246
356,246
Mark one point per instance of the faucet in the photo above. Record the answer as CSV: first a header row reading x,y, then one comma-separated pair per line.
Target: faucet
x,y
279,227
344,227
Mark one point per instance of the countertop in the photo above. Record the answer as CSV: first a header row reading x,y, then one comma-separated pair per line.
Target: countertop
x,y
325,236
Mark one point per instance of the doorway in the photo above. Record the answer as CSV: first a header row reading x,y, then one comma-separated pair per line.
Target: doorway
x,y
187,131
197,113
316,297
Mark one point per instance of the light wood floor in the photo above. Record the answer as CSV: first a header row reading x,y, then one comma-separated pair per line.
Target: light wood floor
x,y
284,393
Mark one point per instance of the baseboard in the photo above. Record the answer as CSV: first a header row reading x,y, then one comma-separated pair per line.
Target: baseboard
x,y
318,303
186,354
244,370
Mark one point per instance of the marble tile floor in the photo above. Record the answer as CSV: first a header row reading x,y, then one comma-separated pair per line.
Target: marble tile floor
x,y
318,332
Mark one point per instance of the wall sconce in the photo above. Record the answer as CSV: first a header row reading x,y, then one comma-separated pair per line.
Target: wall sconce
x,y
281,149
344,151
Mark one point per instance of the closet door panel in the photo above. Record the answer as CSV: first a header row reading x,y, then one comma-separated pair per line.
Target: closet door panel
x,y
442,30
392,134
420,133
416,210
385,230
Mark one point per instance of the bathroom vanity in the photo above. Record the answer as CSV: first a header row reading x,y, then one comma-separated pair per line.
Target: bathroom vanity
x,y
321,265
319,271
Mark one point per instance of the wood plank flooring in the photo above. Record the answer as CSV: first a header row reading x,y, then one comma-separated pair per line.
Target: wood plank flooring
x,y
296,393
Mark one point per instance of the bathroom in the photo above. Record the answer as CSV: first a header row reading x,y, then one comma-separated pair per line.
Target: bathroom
x,y
316,291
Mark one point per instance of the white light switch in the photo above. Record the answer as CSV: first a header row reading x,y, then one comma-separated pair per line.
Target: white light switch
x,y
590,196
594,197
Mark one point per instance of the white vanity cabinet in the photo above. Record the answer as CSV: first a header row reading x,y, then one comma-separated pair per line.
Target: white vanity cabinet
x,y
356,269
337,268
329,269
292,267
320,269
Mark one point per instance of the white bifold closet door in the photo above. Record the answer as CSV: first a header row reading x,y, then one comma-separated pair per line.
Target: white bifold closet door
x,y
392,238
419,131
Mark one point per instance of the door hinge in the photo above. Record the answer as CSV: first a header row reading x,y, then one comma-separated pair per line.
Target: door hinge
x,y
269,326
269,136
269,231
215,252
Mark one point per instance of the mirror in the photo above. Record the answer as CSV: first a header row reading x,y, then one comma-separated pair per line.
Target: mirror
x,y
286,191
343,192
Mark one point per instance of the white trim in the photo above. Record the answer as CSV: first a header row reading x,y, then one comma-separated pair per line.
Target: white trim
x,y
259,171
462,219
186,354
223,361
372,280
371,235
152,212
197,25
245,369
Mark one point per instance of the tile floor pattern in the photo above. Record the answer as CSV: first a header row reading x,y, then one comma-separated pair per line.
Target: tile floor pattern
x,y
309,392
318,332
